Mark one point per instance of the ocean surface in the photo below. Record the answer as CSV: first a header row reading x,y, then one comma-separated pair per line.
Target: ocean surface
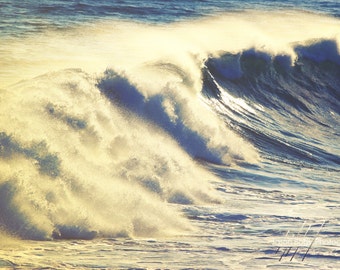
x,y
169,134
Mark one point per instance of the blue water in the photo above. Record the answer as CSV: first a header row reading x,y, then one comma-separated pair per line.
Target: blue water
x,y
167,129
19,17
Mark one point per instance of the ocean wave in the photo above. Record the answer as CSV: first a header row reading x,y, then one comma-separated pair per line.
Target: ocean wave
x,y
115,129
304,91
201,134
74,166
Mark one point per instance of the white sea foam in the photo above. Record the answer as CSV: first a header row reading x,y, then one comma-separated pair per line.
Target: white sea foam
x,y
76,161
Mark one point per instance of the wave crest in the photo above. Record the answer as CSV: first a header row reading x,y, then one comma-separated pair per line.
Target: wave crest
x,y
270,92
183,116
74,166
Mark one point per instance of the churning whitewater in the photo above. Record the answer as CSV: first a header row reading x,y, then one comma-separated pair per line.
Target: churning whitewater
x,y
85,155
114,128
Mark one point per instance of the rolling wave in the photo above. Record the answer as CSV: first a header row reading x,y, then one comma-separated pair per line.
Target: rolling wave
x,y
72,165
280,98
113,132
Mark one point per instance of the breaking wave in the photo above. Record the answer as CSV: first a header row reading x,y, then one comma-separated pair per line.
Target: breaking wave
x,y
107,148
73,165
287,107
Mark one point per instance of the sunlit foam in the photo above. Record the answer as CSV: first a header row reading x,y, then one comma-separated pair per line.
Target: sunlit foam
x,y
75,160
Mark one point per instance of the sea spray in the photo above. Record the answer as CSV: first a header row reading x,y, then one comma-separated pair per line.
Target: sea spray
x,y
181,114
79,161
73,165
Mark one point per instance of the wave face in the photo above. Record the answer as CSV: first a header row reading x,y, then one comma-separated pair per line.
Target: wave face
x,y
288,108
104,127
